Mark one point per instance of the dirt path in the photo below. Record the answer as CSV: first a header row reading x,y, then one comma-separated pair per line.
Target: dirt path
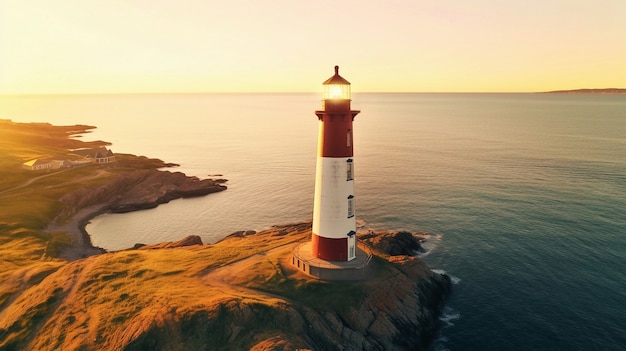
x,y
31,181
232,277
97,174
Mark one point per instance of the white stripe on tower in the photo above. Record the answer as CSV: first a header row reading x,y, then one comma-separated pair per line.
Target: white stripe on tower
x,y
332,217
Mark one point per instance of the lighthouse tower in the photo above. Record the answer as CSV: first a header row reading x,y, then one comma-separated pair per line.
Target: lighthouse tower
x,y
334,221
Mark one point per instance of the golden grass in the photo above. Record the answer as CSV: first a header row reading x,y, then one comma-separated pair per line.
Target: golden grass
x,y
105,297
20,252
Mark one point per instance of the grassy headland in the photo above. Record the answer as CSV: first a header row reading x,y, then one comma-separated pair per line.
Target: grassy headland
x,y
29,200
240,293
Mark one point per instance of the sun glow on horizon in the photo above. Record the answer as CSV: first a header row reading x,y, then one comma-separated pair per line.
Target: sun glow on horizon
x,y
74,46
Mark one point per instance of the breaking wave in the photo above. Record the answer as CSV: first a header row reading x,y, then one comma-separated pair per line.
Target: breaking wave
x,y
453,279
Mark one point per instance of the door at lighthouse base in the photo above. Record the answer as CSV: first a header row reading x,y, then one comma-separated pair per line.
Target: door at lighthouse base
x,y
351,247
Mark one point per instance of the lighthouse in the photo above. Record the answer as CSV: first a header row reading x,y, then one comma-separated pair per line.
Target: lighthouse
x,y
334,221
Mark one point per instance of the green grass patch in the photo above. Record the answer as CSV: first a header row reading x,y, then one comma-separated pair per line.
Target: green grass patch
x,y
32,211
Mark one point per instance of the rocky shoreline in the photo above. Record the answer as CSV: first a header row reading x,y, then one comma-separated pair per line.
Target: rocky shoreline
x,y
133,191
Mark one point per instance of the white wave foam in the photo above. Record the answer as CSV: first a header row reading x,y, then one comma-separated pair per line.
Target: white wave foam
x,y
453,279
448,316
422,254
427,244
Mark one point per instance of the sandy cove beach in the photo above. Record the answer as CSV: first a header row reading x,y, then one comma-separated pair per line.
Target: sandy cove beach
x,y
133,191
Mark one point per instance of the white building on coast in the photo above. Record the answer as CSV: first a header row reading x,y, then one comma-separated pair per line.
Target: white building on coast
x,y
99,155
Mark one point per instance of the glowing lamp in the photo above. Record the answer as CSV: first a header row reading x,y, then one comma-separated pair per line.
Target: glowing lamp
x,y
336,87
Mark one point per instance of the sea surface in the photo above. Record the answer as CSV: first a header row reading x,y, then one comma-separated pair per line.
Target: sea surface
x,y
524,194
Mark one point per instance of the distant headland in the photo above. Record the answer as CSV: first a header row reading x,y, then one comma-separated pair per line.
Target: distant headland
x,y
588,91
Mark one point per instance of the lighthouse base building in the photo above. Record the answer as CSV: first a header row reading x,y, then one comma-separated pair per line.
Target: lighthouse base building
x,y
356,269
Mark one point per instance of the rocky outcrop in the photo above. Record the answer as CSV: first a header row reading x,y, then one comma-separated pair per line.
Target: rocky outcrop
x,y
398,313
140,189
136,190
395,243
188,241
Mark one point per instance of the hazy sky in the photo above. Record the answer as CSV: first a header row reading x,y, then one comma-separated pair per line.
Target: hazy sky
x,y
93,46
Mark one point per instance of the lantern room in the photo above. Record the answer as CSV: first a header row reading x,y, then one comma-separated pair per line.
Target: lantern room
x,y
336,87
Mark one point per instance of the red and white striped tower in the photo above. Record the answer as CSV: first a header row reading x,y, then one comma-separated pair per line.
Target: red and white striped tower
x,y
334,221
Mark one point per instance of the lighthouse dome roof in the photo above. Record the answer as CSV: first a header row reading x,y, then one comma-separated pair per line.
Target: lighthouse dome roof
x,y
336,79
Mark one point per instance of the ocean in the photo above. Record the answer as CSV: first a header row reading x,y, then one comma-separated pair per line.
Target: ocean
x,y
524,194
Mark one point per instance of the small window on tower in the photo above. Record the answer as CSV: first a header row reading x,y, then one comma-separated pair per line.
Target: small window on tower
x,y
349,175
350,206
349,139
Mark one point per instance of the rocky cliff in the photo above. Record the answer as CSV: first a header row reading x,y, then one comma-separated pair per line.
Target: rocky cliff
x,y
139,189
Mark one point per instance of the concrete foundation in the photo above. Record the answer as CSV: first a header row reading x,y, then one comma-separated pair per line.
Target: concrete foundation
x,y
356,269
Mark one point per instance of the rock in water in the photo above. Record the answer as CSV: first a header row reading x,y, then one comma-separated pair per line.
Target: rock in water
x,y
394,243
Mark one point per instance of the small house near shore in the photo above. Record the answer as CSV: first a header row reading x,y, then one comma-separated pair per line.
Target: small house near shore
x,y
37,164
56,164
99,155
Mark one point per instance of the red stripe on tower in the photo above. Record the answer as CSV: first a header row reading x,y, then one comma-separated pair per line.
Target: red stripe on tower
x,y
334,224
337,135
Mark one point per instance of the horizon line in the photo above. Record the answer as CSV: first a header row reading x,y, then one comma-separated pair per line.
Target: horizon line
x,y
283,92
